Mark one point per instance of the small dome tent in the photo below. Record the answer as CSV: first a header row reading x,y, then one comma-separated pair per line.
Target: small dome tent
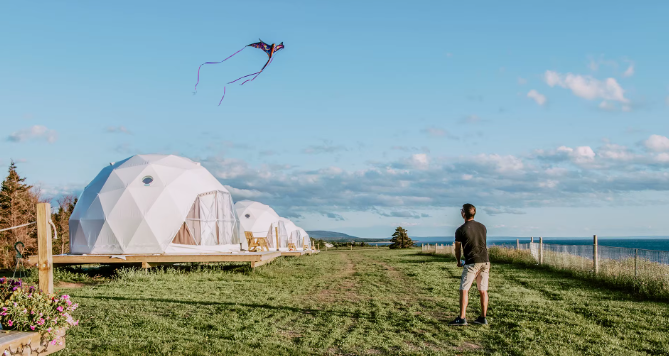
x,y
255,217
154,204
305,240
279,227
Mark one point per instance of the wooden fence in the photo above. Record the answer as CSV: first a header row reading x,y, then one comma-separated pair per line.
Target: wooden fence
x,y
438,249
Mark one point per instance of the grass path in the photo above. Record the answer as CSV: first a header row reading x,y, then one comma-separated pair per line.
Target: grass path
x,y
361,302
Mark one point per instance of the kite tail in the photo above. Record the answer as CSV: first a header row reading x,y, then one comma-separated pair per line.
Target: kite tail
x,y
263,68
243,77
219,103
198,68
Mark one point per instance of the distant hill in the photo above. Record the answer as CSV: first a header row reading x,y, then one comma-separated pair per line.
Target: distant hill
x,y
338,236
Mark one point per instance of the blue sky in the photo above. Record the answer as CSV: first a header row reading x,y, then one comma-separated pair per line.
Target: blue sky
x,y
552,119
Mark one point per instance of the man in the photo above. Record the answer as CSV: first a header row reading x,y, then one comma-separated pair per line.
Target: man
x,y
471,237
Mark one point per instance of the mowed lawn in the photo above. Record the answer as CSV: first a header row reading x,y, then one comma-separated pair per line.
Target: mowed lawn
x,y
360,302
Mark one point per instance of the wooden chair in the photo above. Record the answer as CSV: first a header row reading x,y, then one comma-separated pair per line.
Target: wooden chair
x,y
262,242
292,246
252,241
256,243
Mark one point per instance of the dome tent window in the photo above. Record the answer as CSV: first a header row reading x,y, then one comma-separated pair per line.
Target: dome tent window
x,y
248,215
147,180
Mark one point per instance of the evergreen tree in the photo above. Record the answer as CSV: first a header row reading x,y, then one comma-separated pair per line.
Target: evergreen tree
x,y
62,221
18,202
401,239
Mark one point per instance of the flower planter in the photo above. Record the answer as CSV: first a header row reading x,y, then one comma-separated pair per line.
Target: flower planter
x,y
28,343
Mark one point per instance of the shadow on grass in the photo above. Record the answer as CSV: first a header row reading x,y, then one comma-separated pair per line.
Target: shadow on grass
x,y
366,315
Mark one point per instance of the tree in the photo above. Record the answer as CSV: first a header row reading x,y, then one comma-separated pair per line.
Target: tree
x,y
401,239
18,202
62,221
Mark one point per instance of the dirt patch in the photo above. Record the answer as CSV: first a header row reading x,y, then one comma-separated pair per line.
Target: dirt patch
x,y
70,285
468,346
344,285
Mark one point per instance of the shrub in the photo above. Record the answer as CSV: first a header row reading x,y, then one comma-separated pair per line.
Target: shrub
x,y
26,309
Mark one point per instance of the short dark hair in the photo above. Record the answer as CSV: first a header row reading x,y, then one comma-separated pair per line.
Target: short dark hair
x,y
469,211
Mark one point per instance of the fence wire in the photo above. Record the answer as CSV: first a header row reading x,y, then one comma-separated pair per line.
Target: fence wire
x,y
645,267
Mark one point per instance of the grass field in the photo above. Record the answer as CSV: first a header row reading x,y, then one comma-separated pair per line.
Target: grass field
x,y
360,302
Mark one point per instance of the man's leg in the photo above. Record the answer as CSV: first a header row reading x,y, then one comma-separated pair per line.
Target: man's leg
x,y
464,300
484,302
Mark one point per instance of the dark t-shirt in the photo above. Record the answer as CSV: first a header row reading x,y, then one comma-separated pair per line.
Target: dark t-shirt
x,y
472,236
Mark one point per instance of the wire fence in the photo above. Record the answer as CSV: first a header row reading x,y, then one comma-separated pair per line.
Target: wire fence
x,y
647,271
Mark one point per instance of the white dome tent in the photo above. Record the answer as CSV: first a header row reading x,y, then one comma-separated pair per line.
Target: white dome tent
x,y
154,204
255,217
305,240
279,227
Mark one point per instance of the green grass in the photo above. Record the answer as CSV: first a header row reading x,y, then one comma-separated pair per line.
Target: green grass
x,y
360,302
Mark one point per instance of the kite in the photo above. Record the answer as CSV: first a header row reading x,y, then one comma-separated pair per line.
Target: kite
x,y
268,49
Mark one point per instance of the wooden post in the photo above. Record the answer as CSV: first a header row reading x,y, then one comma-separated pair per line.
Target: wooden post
x,y
541,250
45,259
595,257
276,232
518,244
532,239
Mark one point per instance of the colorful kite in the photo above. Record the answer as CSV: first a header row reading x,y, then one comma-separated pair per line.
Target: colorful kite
x,y
269,49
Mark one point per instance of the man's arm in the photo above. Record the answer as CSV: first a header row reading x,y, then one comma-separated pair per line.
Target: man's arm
x,y
458,252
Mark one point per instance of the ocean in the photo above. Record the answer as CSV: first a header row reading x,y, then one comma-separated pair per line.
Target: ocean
x,y
643,242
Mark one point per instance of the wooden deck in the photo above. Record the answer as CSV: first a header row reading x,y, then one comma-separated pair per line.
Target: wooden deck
x,y
25,343
299,253
149,260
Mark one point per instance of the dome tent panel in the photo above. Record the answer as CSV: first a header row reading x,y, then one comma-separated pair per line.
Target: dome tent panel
x,y
282,237
255,217
145,215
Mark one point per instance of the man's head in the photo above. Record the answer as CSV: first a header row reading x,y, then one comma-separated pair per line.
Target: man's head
x,y
468,211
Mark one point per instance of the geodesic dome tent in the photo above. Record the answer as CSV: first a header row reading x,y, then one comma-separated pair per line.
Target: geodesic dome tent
x,y
255,217
280,228
154,204
304,239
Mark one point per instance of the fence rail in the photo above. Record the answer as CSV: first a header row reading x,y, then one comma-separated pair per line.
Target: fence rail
x,y
646,270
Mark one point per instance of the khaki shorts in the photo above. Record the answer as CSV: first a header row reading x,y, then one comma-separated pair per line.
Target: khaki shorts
x,y
478,271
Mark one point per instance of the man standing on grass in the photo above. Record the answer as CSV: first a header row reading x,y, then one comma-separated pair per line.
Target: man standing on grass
x,y
472,237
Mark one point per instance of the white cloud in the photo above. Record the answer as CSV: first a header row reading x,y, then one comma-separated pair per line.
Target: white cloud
x,y
550,183
657,143
587,87
472,119
36,132
629,71
467,177
522,81
538,98
500,163
420,161
118,129
616,152
435,132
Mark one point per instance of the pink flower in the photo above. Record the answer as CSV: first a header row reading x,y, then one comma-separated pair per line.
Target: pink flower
x,y
40,321
25,311
49,329
60,309
3,313
32,327
10,323
53,342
